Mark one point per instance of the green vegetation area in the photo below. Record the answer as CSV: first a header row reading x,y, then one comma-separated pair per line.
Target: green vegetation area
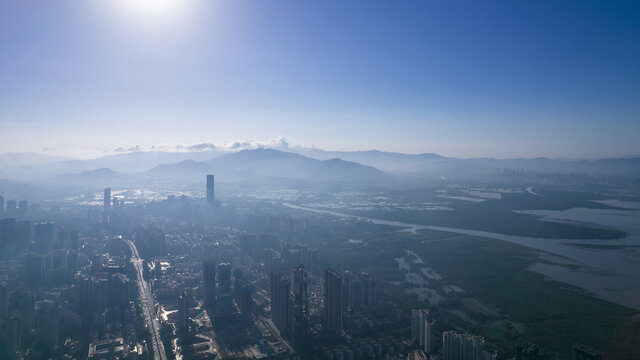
x,y
497,215
530,308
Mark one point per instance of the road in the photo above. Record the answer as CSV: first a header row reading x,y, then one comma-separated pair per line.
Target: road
x,y
148,305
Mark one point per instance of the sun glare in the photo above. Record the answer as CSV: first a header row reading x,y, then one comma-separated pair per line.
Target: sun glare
x,y
152,11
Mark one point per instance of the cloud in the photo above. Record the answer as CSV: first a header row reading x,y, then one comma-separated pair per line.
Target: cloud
x,y
48,148
201,147
278,143
121,149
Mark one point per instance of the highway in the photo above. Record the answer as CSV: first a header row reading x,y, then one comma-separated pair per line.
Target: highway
x,y
147,304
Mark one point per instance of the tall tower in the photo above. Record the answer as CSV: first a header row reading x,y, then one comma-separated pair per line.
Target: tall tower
x,y
281,310
107,205
210,187
224,278
183,312
300,307
209,278
333,300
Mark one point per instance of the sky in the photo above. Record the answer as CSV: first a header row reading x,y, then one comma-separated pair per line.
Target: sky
x,y
458,78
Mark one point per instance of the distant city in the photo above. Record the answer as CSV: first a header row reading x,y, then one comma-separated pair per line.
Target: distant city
x,y
319,180
198,278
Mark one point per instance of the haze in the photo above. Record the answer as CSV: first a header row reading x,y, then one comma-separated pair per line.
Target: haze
x,y
319,180
463,79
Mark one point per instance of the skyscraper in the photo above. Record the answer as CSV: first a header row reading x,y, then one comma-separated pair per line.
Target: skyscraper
x,y
48,322
23,207
422,329
210,188
11,207
224,278
300,292
300,306
463,347
209,279
106,202
333,300
281,309
183,312
44,233
7,233
237,285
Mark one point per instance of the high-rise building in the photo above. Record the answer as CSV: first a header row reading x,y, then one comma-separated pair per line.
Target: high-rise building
x,y
238,280
246,301
23,207
300,291
23,233
48,322
422,330
13,334
106,203
210,189
368,293
183,312
1,204
43,233
463,347
248,243
209,278
224,278
300,306
11,207
333,300
4,302
7,233
281,309
35,268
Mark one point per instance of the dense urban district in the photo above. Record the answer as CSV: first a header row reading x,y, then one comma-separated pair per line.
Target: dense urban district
x,y
288,275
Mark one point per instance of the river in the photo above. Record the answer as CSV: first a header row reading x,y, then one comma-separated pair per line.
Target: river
x,y
610,273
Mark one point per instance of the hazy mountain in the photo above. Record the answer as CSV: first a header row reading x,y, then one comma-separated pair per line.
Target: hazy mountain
x,y
308,164
435,165
268,163
386,161
28,159
95,178
135,162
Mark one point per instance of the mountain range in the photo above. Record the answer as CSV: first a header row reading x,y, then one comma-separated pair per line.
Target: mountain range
x,y
308,165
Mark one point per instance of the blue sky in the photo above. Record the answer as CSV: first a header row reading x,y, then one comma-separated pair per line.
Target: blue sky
x,y
466,79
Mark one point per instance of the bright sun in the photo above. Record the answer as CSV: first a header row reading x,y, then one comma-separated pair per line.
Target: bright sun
x,y
154,10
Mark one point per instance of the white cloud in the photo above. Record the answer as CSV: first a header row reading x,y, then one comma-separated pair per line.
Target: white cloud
x,y
278,143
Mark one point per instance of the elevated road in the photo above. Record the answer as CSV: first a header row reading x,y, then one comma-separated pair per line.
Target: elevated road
x,y
147,304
